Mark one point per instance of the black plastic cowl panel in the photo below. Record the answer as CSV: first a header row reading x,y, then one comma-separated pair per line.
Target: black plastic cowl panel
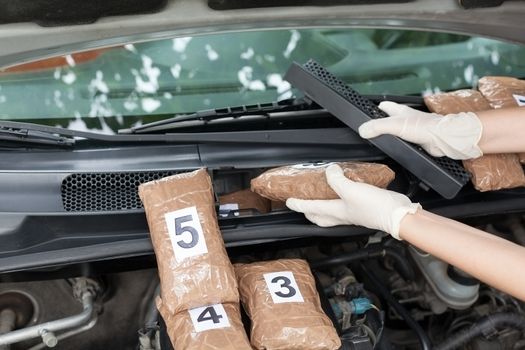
x,y
60,12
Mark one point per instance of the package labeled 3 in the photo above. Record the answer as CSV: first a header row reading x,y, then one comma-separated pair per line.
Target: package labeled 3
x,y
308,181
490,172
210,327
194,268
504,92
282,301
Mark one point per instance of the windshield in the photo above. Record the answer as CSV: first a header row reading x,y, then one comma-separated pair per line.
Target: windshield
x,y
113,88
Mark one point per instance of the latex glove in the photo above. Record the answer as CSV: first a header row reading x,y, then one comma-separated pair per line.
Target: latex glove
x,y
454,135
360,204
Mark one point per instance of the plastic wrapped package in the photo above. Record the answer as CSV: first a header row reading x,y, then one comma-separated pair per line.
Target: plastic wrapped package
x,y
490,172
308,181
503,92
282,301
211,327
194,268
244,199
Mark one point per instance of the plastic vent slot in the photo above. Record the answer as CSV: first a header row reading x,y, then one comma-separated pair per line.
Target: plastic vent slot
x,y
444,175
106,191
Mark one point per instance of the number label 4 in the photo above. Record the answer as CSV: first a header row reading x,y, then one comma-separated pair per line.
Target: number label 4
x,y
209,317
186,234
283,287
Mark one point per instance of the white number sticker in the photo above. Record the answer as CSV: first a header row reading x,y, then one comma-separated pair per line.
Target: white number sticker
x,y
186,234
224,209
283,287
520,100
209,317
316,165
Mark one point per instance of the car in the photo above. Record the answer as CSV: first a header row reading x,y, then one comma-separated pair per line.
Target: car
x,y
97,99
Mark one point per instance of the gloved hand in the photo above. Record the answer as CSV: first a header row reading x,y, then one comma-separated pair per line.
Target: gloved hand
x,y
454,135
360,204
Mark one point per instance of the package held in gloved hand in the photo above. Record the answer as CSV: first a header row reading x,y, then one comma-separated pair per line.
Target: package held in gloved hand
x,y
492,171
210,327
308,181
282,301
194,268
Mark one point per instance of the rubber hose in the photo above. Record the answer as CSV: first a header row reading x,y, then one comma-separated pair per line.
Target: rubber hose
x,y
485,325
404,268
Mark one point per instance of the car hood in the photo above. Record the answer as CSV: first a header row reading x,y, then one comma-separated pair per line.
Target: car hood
x,y
39,29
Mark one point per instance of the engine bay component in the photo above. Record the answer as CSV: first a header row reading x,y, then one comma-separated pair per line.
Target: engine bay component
x,y
308,181
444,175
281,299
211,327
194,267
492,171
85,290
456,293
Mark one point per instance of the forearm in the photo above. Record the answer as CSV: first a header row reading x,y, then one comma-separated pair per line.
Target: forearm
x,y
491,259
503,130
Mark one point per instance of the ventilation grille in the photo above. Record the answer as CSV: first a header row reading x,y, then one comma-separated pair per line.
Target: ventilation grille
x,y
106,191
452,167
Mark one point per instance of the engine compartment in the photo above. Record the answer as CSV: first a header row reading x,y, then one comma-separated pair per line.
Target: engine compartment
x,y
376,290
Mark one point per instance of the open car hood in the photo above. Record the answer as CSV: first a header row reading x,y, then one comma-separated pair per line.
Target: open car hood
x,y
39,29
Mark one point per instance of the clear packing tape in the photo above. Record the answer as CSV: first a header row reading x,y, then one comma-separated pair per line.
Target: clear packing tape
x,y
308,181
503,92
489,172
282,301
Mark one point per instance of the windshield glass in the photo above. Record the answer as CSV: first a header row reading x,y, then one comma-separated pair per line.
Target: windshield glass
x,y
113,88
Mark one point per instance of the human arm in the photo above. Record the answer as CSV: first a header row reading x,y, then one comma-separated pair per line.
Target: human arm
x,y
458,136
492,260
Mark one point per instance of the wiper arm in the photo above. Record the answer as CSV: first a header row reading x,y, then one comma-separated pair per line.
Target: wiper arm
x,y
27,135
267,110
264,109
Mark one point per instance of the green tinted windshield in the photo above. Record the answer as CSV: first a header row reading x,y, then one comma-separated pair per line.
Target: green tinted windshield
x,y
122,86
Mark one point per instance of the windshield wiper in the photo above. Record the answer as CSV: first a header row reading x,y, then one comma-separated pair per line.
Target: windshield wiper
x,y
265,110
28,135
260,109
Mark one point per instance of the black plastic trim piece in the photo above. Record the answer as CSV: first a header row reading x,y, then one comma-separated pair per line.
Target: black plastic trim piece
x,y
444,175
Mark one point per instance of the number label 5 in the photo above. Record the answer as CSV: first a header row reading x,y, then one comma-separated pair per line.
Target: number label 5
x,y
186,234
209,317
283,287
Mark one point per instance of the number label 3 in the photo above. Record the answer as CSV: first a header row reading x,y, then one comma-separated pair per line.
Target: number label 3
x,y
209,317
283,287
186,234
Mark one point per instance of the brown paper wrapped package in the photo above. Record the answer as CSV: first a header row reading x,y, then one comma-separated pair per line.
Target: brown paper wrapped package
x,y
246,199
183,335
304,182
500,91
290,325
196,280
490,172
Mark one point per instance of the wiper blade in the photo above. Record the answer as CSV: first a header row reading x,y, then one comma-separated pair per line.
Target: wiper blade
x,y
28,135
265,109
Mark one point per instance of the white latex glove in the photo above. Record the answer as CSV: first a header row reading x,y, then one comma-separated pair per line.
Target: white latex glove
x,y
360,204
454,135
